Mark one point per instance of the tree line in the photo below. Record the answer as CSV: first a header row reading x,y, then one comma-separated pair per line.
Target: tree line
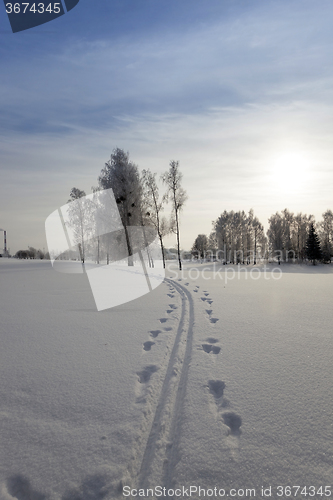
x,y
239,237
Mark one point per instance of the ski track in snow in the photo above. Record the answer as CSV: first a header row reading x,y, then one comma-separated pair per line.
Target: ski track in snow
x,y
156,454
156,451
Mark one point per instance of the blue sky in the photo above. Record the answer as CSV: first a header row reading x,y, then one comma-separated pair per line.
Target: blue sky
x,y
239,91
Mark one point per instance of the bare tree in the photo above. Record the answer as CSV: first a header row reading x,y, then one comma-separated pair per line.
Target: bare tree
x,y
238,236
177,195
79,223
153,207
258,233
200,246
326,235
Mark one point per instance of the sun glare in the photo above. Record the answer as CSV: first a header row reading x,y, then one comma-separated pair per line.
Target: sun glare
x,y
290,172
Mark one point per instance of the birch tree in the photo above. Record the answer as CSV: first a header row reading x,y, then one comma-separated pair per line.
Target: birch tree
x,y
153,207
177,195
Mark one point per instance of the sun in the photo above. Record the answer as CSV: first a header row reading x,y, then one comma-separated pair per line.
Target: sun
x,y
290,172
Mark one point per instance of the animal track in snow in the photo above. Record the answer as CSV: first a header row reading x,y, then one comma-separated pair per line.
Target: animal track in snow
x,y
206,294
213,320
211,340
145,374
208,348
169,311
209,301
148,345
195,290
173,306
19,487
209,311
171,295
163,320
203,299
186,284
167,328
154,333
95,486
216,387
233,421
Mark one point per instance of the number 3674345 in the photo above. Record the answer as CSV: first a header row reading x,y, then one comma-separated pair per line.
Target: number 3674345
x,y
35,8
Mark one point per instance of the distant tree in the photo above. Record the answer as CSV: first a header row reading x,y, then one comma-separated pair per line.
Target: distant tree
x,y
177,195
238,236
275,234
32,252
22,254
313,250
300,233
200,245
153,207
123,177
212,244
288,234
40,254
257,236
326,235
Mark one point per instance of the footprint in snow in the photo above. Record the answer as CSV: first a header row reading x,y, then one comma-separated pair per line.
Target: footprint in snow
x,y
195,290
206,294
216,387
214,320
94,486
167,329
212,340
233,421
209,302
148,345
209,311
203,299
169,311
19,487
173,306
171,295
208,348
186,284
145,374
154,333
163,320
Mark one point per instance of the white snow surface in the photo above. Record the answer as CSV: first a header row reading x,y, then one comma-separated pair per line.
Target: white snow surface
x,y
200,382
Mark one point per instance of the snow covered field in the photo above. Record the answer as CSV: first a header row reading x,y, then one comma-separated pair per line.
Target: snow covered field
x,y
202,382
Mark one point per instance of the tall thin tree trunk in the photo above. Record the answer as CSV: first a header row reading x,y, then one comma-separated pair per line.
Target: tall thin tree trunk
x,y
178,245
162,248
129,248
